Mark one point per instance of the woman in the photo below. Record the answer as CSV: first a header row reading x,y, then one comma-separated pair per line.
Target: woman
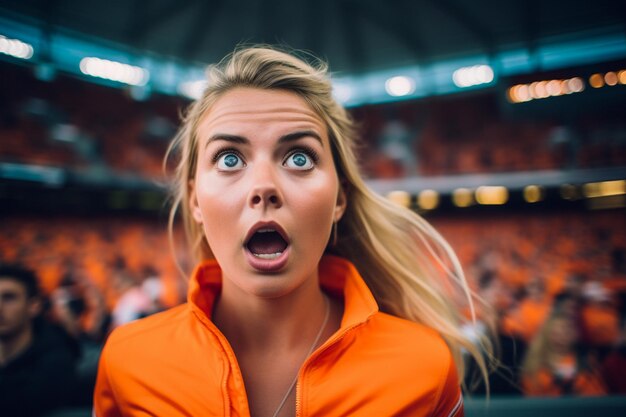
x,y
554,365
298,260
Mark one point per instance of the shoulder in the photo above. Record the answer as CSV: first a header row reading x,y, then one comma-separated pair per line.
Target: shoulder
x,y
152,323
412,349
147,363
146,348
408,337
415,373
148,331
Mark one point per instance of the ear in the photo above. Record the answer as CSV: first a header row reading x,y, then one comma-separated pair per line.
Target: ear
x,y
342,203
34,307
193,202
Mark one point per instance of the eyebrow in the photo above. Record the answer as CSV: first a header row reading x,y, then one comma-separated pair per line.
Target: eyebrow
x,y
289,137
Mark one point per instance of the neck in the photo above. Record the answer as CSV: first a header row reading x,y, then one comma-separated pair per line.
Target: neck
x,y
12,346
271,324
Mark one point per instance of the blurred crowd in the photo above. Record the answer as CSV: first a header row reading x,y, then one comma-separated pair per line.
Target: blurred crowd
x,y
72,123
555,286
87,277
471,135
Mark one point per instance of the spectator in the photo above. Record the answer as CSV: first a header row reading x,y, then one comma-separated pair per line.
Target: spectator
x,y
555,366
531,312
36,360
504,380
600,319
133,301
79,308
614,365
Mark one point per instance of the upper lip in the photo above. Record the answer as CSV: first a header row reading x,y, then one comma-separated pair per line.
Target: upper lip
x,y
266,225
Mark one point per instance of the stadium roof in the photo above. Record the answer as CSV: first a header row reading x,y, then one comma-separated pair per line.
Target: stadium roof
x,y
426,40
355,35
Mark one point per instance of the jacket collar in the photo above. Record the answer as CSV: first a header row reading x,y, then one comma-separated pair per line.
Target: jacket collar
x,y
337,276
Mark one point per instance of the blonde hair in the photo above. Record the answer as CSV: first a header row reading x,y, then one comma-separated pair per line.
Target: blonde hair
x,y
540,350
409,267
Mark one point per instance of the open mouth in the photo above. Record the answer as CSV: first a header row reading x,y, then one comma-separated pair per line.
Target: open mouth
x,y
267,243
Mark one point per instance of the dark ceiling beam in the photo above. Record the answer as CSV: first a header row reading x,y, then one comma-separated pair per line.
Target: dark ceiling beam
x,y
200,28
316,26
465,20
352,36
268,31
396,24
531,29
49,16
144,19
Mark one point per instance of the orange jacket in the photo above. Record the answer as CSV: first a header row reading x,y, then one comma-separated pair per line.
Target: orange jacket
x,y
177,363
527,319
600,325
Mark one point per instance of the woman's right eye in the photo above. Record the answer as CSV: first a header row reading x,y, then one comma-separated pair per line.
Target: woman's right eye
x,y
229,161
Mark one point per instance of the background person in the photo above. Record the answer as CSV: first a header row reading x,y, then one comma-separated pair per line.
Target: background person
x,y
554,364
37,359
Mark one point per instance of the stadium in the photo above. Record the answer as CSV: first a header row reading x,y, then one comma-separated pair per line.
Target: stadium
x,y
501,124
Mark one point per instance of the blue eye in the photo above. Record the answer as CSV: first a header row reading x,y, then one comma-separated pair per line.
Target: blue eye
x,y
300,161
229,162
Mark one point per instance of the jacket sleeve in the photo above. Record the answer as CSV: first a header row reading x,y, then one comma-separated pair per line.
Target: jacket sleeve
x,y
105,403
450,403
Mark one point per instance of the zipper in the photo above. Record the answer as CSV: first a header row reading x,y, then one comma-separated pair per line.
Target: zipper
x,y
227,399
230,361
329,343
232,367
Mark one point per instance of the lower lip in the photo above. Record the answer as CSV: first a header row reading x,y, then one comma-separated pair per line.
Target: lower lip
x,y
268,265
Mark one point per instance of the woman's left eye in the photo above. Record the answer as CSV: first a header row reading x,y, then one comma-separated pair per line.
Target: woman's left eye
x,y
229,161
299,160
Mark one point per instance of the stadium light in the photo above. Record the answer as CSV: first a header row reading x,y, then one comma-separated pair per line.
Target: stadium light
x,y
462,197
492,195
610,78
604,188
596,81
428,199
400,86
402,198
192,89
533,193
114,71
342,92
471,76
16,48
549,88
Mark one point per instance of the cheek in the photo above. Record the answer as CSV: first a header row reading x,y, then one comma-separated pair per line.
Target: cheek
x,y
220,206
315,204
15,312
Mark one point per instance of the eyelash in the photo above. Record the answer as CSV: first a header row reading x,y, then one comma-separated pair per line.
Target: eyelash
x,y
310,152
222,152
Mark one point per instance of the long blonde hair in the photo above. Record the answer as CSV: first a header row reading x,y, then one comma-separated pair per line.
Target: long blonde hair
x,y
540,351
409,267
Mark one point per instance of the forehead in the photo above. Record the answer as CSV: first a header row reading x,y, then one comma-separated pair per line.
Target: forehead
x,y
242,107
10,284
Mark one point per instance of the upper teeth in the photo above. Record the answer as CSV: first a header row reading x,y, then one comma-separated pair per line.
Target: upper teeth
x,y
265,230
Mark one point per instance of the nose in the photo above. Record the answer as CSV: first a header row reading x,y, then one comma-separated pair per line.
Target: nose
x,y
265,192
